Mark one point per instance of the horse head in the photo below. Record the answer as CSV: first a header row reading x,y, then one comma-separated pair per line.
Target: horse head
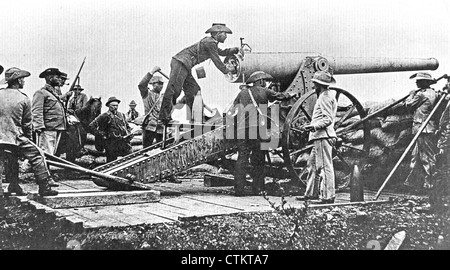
x,y
90,111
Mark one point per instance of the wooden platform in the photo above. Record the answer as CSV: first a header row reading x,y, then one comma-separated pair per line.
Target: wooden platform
x,y
195,200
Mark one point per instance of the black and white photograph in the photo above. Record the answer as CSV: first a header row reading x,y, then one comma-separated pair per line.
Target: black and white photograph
x,y
244,127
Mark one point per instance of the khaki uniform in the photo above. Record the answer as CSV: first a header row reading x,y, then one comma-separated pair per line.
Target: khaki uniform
x,y
424,151
15,132
113,127
49,116
321,180
152,101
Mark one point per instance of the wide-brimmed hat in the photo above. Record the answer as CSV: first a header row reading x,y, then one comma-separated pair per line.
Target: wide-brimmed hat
x,y
78,87
64,76
14,73
218,27
422,76
156,79
111,99
323,77
258,75
1,69
50,71
132,103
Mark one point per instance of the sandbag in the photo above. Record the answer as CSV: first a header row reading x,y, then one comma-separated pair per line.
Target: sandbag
x,y
393,123
356,137
387,139
373,106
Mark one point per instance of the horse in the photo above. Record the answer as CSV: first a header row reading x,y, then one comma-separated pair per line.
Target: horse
x,y
76,134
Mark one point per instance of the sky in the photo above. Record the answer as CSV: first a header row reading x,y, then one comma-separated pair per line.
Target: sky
x,y
122,40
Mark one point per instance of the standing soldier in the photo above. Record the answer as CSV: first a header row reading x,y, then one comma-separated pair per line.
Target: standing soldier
x,y
16,129
132,114
320,164
49,116
152,104
182,63
74,138
75,99
422,102
113,127
249,99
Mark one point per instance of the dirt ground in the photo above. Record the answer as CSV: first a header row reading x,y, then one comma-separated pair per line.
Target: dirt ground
x,y
362,227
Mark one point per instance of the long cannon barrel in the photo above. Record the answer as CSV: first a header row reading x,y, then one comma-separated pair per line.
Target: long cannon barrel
x,y
354,65
285,66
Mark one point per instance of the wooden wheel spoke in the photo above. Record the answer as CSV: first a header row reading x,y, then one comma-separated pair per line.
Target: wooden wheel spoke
x,y
297,130
337,95
352,147
299,151
345,116
339,155
306,113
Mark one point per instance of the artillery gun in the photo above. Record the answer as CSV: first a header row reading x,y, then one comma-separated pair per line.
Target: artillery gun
x,y
293,73
198,144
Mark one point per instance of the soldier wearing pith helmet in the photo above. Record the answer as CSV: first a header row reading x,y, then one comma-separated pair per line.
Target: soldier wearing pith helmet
x,y
322,134
253,95
16,132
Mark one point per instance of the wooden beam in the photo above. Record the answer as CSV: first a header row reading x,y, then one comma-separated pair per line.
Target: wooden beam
x,y
97,198
347,204
396,241
210,180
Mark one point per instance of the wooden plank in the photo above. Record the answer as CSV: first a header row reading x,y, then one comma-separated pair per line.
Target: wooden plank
x,y
74,200
210,180
347,204
198,208
396,241
168,212
137,215
101,216
79,184
75,191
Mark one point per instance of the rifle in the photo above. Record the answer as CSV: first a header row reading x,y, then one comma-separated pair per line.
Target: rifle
x,y
75,79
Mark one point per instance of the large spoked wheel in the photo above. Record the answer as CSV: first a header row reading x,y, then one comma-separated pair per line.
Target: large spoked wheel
x,y
352,142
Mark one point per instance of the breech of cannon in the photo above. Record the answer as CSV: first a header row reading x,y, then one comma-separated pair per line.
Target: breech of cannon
x,y
284,67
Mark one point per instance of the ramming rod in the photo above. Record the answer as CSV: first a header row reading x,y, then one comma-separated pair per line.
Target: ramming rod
x,y
112,178
61,163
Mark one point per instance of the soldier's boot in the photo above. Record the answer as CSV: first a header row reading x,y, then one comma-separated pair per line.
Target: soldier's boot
x,y
12,175
51,182
45,189
15,188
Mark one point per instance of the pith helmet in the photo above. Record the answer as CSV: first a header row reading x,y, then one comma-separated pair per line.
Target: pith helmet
x,y
218,27
14,73
111,99
323,77
50,71
156,79
133,103
258,75
422,76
